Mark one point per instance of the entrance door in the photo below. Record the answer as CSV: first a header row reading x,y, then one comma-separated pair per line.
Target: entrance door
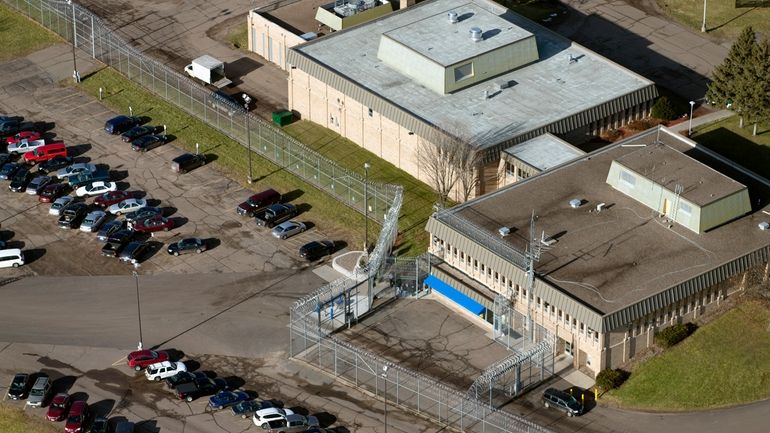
x,y
568,348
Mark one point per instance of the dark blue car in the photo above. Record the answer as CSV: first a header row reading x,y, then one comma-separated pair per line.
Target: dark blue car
x,y
246,408
120,124
147,142
224,399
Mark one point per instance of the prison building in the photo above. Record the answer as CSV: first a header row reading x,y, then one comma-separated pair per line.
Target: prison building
x,y
626,240
465,69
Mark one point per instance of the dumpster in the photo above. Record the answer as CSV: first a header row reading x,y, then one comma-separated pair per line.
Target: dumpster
x,y
282,118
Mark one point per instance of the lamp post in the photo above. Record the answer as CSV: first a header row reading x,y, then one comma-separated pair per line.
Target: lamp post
x,y
248,145
385,393
366,206
703,26
75,74
138,308
689,129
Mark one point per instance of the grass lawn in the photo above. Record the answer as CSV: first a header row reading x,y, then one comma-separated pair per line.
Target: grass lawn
x,y
418,197
723,363
723,19
14,420
326,213
18,42
737,144
238,37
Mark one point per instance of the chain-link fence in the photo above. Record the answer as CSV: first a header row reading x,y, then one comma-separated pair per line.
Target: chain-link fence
x,y
94,37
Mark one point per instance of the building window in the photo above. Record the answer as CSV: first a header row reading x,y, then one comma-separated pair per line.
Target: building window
x,y
464,72
483,268
510,170
371,112
476,264
685,209
627,179
462,255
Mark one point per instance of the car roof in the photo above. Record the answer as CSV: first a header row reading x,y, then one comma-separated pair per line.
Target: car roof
x,y
162,364
77,406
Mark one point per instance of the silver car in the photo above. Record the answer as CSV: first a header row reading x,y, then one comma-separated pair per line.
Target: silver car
x,y
75,169
59,204
38,183
288,229
92,221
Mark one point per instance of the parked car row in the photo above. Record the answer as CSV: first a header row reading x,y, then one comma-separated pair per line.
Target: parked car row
x,y
76,414
267,209
191,385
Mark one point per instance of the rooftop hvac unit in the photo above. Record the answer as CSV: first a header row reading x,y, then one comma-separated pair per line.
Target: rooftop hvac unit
x,y
504,231
575,203
452,16
764,225
476,34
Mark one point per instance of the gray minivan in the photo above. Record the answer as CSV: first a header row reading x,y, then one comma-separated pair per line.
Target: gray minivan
x,y
563,401
39,392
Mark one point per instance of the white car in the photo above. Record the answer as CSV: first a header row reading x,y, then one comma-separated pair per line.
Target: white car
x,y
162,370
263,416
24,146
75,169
127,205
92,221
59,204
96,188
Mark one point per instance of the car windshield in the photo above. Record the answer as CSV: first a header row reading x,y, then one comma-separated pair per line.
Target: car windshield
x,y
252,201
36,392
17,386
75,419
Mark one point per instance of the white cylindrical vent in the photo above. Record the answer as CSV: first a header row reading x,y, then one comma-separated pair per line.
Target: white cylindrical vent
x,y
476,34
452,17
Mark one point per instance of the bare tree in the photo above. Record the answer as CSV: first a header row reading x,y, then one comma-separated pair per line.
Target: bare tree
x,y
467,161
436,157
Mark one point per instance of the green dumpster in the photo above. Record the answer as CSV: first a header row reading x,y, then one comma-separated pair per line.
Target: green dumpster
x,y
282,118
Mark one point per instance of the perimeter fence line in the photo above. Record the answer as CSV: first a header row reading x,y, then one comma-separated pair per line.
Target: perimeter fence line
x,y
89,33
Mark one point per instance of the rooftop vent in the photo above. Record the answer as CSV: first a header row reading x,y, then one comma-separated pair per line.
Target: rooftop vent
x,y
575,203
504,231
764,226
452,17
600,207
476,34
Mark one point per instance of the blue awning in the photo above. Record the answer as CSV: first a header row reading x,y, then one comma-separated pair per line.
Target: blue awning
x,y
455,295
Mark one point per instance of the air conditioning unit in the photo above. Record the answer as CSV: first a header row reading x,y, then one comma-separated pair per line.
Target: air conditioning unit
x,y
504,231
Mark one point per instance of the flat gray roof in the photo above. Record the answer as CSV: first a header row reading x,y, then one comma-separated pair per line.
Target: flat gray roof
x,y
625,253
541,93
668,167
544,152
446,44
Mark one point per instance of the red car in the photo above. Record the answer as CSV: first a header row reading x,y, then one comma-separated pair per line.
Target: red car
x,y
52,192
110,198
142,358
58,408
77,417
23,135
154,224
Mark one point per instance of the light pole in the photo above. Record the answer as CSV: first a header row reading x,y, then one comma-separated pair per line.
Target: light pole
x,y
366,206
75,74
385,394
138,308
248,145
689,129
703,26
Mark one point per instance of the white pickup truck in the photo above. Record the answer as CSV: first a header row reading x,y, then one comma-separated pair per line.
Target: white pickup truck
x,y
24,146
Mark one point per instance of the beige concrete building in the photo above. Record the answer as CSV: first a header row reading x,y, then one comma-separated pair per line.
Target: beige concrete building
x,y
618,260
466,68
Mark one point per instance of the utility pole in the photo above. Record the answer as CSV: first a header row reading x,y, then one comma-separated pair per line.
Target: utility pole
x,y
703,26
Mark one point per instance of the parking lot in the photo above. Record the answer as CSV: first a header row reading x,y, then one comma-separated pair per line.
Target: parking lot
x,y
201,203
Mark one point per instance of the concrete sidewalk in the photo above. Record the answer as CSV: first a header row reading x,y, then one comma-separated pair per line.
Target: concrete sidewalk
x,y
702,120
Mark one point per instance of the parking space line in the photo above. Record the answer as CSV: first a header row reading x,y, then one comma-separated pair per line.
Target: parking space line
x,y
119,361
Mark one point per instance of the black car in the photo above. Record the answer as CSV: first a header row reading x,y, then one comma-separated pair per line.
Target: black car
x,y
100,425
316,249
20,179
133,252
120,124
143,213
222,101
188,161
275,214
116,242
54,164
188,245
72,215
8,170
200,387
4,157
109,228
147,142
13,125
184,377
138,131
19,386
563,401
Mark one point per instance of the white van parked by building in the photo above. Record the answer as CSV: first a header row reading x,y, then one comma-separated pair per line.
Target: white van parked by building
x,y
11,258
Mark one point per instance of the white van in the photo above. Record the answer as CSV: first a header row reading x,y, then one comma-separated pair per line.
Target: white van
x,y
12,257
